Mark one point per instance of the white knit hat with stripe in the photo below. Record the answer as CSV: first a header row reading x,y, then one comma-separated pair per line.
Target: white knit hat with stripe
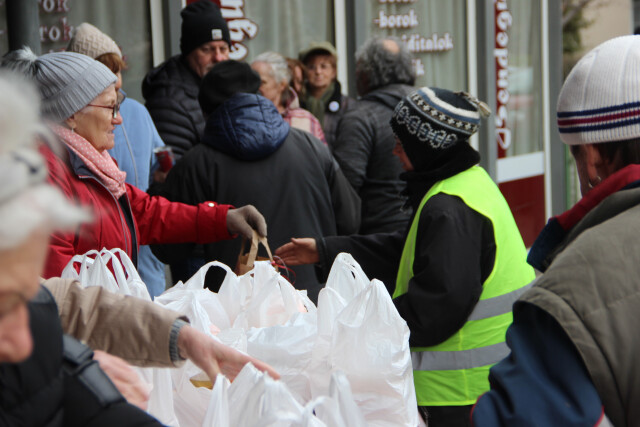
x,y
600,99
92,42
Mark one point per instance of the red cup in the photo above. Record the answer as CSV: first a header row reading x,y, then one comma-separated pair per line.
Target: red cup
x,y
165,158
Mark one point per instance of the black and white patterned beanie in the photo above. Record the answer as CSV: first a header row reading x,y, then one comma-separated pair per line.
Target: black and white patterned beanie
x,y
431,121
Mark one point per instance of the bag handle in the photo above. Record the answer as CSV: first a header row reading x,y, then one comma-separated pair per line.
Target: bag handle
x,y
253,250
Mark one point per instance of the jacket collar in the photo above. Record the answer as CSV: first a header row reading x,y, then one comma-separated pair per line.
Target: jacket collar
x,y
388,95
77,165
564,228
460,158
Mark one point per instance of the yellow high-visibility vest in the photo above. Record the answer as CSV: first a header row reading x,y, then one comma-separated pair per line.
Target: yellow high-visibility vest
x,y
455,372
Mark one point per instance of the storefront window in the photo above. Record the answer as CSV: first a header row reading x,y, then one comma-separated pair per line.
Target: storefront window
x,y
286,26
126,22
434,30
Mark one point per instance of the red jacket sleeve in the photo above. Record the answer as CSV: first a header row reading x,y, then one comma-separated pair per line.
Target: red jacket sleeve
x,y
162,221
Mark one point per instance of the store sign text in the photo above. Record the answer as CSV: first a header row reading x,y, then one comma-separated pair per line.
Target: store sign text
x,y
239,27
416,43
403,21
503,21
60,32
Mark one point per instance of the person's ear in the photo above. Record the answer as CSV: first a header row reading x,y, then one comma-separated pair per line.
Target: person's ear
x,y
71,122
596,166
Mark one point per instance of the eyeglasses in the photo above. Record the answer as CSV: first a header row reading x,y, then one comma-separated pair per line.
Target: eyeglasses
x,y
115,108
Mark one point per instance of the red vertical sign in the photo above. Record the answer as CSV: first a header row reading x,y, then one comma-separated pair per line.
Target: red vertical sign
x,y
503,21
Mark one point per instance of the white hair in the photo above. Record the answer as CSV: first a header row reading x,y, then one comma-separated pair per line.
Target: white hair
x,y
27,202
279,67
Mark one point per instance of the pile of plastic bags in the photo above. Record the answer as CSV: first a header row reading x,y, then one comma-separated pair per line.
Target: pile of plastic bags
x,y
345,362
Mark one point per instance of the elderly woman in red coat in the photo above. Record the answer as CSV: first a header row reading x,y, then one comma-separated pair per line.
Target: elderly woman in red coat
x,y
80,102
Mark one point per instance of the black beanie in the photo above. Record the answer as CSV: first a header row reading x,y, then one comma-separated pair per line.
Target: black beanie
x,y
202,22
224,80
431,121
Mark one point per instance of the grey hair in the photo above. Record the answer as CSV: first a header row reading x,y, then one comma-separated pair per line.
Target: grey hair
x,y
279,67
381,67
27,202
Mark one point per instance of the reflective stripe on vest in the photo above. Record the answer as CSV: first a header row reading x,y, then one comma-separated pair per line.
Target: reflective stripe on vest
x,y
496,306
463,359
455,372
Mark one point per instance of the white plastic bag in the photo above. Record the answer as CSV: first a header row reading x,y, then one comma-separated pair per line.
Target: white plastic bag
x,y
121,278
136,286
288,349
370,344
255,399
92,271
339,408
346,280
217,414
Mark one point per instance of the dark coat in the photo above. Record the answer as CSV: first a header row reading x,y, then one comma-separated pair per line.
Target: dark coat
x,y
364,148
59,384
249,155
171,94
335,110
573,339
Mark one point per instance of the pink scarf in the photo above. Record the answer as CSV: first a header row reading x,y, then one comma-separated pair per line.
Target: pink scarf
x,y
102,165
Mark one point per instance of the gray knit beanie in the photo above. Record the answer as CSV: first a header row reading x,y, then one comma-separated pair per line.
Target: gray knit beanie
x,y
67,81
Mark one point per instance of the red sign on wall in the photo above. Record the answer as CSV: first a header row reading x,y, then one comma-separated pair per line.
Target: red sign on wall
x,y
525,196
503,21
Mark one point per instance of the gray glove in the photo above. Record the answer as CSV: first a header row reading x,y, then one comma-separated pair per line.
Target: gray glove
x,y
243,220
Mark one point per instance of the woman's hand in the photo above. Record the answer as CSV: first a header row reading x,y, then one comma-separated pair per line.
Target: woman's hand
x,y
126,380
299,251
213,357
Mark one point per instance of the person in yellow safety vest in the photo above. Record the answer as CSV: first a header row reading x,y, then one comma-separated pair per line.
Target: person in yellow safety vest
x,y
455,273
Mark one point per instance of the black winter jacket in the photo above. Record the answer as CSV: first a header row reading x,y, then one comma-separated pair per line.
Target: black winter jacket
x,y
455,253
171,94
59,384
364,150
250,155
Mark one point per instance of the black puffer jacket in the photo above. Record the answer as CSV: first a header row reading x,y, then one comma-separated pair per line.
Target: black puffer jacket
x,y
171,94
364,148
249,155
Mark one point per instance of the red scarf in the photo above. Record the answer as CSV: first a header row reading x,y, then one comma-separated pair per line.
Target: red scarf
x,y
610,185
101,164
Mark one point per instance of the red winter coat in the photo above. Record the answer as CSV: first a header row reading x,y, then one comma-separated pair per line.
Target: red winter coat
x,y
155,219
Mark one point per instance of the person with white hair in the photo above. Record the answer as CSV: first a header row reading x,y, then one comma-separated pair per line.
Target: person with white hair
x,y
574,340
80,104
39,369
46,379
275,75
